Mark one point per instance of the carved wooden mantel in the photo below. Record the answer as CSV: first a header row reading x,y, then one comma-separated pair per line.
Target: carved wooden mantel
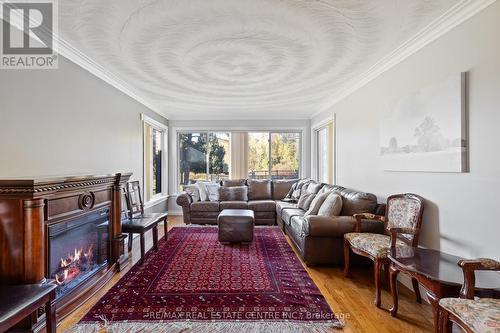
x,y
29,206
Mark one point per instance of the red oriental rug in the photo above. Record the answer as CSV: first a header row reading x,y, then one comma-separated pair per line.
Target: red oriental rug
x,y
195,284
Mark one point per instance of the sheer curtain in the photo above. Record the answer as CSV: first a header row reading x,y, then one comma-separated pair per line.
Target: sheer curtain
x,y
239,160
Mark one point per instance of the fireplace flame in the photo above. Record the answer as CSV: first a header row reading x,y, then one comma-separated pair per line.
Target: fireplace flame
x,y
71,266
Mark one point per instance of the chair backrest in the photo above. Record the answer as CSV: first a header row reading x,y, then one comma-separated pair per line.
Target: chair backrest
x,y
405,211
125,215
134,199
469,267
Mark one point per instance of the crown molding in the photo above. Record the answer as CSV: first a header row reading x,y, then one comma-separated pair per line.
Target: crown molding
x,y
456,15
69,52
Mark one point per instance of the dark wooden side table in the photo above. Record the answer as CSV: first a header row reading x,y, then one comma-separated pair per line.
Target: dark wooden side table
x,y
19,301
438,273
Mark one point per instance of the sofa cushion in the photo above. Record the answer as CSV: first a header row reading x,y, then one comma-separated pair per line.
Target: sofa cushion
x,y
316,204
332,205
233,205
233,182
331,188
354,202
262,205
288,213
234,193
205,206
280,205
193,191
297,225
282,187
259,189
305,200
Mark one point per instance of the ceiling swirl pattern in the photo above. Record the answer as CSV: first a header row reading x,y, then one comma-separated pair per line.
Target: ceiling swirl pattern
x,y
241,59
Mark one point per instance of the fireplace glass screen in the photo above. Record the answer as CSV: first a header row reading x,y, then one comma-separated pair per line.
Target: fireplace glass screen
x,y
78,249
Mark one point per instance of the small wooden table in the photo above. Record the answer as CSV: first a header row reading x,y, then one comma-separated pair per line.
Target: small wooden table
x,y
19,301
438,273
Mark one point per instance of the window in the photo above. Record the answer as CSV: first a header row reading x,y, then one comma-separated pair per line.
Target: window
x,y
203,156
274,155
285,148
258,155
324,153
155,177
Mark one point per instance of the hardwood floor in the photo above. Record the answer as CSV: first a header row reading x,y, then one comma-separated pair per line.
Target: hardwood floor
x,y
350,298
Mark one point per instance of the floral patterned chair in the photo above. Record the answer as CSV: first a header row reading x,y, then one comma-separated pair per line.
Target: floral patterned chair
x,y
402,219
472,315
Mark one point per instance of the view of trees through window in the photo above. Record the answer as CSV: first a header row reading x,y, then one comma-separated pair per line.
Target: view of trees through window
x,y
206,155
282,161
203,156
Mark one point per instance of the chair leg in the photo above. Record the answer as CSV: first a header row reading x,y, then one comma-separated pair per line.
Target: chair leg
x,y
416,289
347,248
143,247
394,289
130,240
376,276
386,272
165,228
155,238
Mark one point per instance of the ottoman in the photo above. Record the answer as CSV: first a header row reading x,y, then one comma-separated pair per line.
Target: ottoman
x,y
236,225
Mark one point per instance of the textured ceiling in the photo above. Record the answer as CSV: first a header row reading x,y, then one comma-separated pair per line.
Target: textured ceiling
x,y
236,59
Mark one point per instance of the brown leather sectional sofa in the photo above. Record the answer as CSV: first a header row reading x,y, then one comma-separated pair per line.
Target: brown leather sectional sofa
x,y
319,239
262,198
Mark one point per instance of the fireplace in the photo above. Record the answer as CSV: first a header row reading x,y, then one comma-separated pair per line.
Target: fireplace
x,y
64,229
77,249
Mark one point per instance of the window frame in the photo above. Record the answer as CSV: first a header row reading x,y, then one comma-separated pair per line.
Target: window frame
x,y
163,129
236,129
315,147
317,133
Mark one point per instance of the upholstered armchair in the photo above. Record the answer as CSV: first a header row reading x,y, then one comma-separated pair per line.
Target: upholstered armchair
x,y
403,218
472,315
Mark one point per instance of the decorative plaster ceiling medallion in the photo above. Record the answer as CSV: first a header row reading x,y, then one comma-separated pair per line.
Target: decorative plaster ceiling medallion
x,y
241,59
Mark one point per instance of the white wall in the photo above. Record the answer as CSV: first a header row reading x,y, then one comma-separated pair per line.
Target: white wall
x,y
460,216
236,125
67,121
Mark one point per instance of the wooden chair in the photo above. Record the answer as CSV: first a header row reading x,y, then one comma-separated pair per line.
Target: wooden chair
x,y
403,217
136,221
472,315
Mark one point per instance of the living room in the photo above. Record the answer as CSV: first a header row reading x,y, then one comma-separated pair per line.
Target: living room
x,y
264,166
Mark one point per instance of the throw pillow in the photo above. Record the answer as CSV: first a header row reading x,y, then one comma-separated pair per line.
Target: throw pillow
x,y
202,187
193,191
316,204
213,191
332,206
305,200
259,189
233,193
